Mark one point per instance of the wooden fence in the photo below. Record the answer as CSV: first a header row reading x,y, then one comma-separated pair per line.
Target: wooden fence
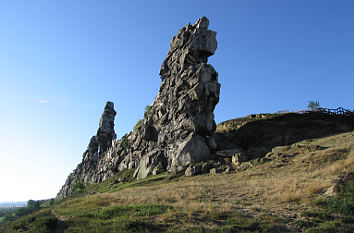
x,y
293,111
329,111
336,111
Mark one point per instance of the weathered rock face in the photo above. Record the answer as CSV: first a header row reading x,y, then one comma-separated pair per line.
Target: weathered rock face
x,y
180,121
86,171
176,130
105,132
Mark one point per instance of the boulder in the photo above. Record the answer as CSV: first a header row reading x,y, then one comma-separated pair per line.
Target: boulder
x,y
238,158
193,170
214,171
193,149
228,153
148,164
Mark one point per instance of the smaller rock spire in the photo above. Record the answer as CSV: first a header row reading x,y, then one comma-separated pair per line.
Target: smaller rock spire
x,y
105,132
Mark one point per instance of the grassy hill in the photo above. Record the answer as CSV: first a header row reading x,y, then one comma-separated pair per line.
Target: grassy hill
x,y
304,186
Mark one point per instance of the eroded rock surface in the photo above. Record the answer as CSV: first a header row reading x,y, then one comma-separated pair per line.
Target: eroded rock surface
x,y
180,121
87,171
176,130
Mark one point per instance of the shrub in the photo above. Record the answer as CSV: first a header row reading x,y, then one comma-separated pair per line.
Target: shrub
x,y
147,110
79,186
137,125
314,105
125,143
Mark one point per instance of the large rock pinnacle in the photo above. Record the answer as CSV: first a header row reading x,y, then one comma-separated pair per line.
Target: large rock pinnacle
x,y
181,116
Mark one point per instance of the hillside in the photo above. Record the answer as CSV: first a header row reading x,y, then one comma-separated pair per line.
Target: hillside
x,y
178,171
295,189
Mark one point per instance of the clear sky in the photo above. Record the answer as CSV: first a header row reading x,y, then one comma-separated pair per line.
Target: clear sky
x,y
60,61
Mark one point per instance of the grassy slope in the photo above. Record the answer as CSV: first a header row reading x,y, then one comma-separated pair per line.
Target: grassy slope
x,y
285,194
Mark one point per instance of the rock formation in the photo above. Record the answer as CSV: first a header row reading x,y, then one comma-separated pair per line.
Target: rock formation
x,y
177,128
176,131
99,144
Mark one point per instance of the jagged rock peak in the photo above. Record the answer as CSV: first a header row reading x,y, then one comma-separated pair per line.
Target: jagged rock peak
x,y
178,127
87,171
193,44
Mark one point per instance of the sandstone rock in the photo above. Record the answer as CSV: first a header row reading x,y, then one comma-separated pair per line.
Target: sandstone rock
x,y
88,171
147,164
244,166
229,170
206,166
180,121
214,171
228,153
238,158
193,149
193,170
177,127
105,132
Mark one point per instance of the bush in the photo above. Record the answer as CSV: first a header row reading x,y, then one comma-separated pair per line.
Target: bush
x,y
147,110
314,105
137,125
125,143
40,222
79,186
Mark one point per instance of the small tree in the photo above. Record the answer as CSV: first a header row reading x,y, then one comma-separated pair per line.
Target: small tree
x,y
314,105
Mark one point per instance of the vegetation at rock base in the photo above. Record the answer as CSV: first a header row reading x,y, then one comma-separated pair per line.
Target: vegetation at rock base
x,y
147,110
332,214
125,143
79,186
146,113
137,125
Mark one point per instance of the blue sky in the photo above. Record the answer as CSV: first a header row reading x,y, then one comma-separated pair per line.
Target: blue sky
x,y
60,61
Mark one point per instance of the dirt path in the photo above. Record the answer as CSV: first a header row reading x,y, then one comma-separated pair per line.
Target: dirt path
x,y
61,224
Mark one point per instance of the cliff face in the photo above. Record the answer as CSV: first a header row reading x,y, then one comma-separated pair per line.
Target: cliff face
x,y
176,130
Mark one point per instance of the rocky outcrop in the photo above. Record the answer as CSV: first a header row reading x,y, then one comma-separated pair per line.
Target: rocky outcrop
x,y
256,138
180,121
177,127
86,171
105,133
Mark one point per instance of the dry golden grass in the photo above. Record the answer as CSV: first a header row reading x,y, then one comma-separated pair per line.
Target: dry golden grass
x,y
266,188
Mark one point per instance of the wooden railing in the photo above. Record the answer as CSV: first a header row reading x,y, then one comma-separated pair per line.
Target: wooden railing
x,y
293,111
336,111
329,111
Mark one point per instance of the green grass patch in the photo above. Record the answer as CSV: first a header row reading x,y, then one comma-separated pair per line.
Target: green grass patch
x,y
113,184
234,222
147,210
40,222
332,214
